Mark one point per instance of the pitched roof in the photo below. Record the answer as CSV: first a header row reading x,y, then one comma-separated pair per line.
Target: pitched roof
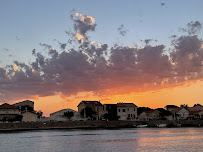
x,y
95,103
126,105
7,106
24,101
63,110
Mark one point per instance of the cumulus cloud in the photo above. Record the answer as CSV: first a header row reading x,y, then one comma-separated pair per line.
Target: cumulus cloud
x,y
96,67
82,25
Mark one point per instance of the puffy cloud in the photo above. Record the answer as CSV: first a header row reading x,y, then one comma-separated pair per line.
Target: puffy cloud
x,y
194,27
95,67
82,25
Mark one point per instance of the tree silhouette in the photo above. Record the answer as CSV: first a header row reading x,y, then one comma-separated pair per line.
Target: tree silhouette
x,y
88,112
68,114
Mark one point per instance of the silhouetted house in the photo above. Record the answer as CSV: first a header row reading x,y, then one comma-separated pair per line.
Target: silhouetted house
x,y
8,112
25,105
111,110
170,107
96,107
149,115
196,108
179,113
126,111
29,116
195,115
61,115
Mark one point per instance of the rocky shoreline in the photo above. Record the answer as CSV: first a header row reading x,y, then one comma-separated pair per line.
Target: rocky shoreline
x,y
94,124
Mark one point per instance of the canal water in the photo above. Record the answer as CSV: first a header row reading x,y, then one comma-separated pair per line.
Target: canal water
x,y
118,140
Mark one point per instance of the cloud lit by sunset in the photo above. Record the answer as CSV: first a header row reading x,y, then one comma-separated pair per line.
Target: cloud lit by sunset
x,y
150,71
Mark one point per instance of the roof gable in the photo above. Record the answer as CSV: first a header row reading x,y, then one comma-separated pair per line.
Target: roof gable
x,y
7,106
94,103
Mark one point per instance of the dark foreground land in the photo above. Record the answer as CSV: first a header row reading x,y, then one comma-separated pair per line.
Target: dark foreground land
x,y
94,124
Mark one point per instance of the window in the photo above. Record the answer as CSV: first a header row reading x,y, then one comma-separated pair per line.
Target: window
x,y
128,109
119,110
123,110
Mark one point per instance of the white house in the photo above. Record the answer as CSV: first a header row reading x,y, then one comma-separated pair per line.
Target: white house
x,y
29,116
59,115
126,111
182,113
8,111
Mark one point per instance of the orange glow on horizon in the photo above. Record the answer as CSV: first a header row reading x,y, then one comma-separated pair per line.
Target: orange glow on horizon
x,y
188,93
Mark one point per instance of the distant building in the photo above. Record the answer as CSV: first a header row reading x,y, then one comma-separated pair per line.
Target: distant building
x,y
111,111
149,115
96,106
8,112
179,113
59,115
25,105
196,108
126,111
29,116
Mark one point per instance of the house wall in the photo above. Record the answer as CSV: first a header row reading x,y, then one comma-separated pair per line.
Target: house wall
x,y
9,111
59,116
29,117
25,103
183,114
98,109
125,113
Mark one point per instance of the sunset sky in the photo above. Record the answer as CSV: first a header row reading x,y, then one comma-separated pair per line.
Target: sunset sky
x,y
58,53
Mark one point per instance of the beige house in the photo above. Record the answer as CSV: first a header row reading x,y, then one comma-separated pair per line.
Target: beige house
x,y
126,111
149,115
59,115
8,112
27,104
29,116
96,106
196,108
182,113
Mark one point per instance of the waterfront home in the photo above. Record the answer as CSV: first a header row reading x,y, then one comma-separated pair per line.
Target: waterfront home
x,y
8,112
200,115
29,116
96,107
196,108
149,115
111,110
126,111
182,113
25,105
194,115
64,115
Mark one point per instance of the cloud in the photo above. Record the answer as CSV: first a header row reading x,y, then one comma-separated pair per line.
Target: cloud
x,y
122,31
82,25
101,68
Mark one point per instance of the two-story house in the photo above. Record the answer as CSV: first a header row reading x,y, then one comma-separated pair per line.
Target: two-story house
x,y
96,107
126,111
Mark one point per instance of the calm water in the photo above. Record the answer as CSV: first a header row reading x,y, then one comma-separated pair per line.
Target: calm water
x,y
122,140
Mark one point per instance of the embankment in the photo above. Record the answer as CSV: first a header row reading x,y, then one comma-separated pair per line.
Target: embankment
x,y
94,124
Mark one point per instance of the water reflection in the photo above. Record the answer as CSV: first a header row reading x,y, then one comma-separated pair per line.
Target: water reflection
x,y
137,139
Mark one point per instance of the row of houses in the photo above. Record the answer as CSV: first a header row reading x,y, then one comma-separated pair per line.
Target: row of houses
x,y
174,113
95,110
21,111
